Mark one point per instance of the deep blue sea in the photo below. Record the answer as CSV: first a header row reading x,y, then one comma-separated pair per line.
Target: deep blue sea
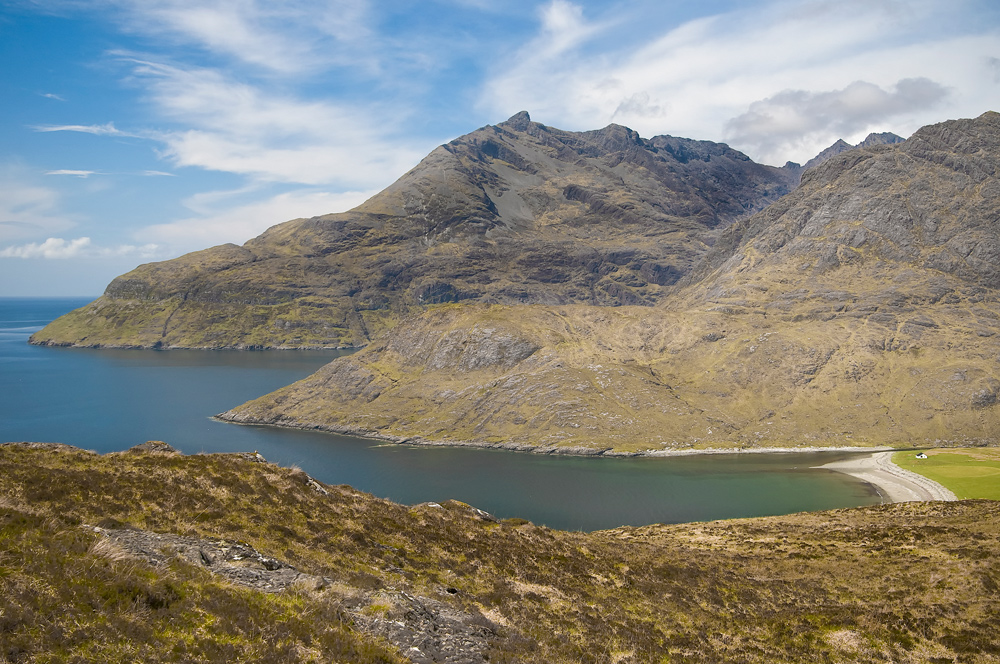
x,y
109,400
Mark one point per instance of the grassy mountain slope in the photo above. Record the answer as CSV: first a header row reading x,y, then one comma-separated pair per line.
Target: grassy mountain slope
x,y
903,583
861,309
513,213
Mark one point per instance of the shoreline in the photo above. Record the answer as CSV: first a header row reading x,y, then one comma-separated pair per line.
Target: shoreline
x,y
388,439
893,484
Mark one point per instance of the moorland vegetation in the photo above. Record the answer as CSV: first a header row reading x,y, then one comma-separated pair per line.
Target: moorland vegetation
x,y
106,555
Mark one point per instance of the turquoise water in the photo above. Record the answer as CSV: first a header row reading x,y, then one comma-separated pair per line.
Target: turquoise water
x,y
108,400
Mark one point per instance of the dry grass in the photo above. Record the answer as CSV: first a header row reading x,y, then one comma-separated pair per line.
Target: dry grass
x,y
635,379
901,583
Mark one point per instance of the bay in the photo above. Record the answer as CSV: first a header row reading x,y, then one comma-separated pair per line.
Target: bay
x,y
110,400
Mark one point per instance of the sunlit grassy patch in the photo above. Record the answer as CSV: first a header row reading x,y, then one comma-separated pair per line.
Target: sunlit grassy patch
x,y
968,472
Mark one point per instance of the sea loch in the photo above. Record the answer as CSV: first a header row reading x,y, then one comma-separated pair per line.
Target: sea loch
x,y
108,400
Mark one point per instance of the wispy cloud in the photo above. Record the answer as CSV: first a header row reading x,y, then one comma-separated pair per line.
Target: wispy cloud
x,y
237,127
79,174
283,38
27,209
706,77
217,219
562,27
49,95
55,248
107,129
86,174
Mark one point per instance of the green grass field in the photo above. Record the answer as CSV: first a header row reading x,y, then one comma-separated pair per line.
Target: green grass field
x,y
968,472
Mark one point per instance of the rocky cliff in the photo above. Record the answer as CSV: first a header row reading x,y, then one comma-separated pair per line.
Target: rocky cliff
x,y
863,309
513,213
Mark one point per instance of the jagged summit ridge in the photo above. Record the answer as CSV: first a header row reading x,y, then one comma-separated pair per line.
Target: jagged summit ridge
x,y
928,204
882,138
516,212
520,121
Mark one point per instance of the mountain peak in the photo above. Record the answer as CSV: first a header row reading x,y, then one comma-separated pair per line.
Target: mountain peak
x,y
884,138
510,213
519,121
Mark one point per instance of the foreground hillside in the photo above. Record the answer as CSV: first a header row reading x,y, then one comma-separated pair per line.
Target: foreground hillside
x,y
861,309
512,213
152,555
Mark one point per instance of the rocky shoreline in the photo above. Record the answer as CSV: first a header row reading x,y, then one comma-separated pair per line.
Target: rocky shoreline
x,y
233,417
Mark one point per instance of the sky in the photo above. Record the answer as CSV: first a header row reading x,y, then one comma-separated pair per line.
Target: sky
x,y
138,130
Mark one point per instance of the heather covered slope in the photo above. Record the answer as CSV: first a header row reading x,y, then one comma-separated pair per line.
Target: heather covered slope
x,y
513,213
861,309
130,555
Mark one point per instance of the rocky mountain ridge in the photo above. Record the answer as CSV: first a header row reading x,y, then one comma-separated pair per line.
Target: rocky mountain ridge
x,y
513,213
840,146
861,309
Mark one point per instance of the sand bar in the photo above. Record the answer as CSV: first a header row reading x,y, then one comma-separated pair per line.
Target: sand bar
x,y
894,484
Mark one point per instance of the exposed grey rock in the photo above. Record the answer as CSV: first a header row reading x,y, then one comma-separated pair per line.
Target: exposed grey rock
x,y
928,203
236,562
840,146
427,631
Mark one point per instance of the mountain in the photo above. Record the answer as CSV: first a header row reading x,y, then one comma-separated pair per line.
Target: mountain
x,y
513,213
883,138
861,309
148,555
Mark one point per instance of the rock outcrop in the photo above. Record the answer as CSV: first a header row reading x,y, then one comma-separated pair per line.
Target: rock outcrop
x,y
841,146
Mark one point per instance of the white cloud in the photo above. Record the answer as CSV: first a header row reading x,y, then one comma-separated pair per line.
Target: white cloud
x,y
281,37
98,130
563,27
26,209
778,123
86,174
60,249
53,247
240,128
218,220
696,78
79,174
49,95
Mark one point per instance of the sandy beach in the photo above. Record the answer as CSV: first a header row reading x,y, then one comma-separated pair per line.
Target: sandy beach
x,y
894,484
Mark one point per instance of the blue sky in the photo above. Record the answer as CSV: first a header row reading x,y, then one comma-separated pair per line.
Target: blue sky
x,y
138,130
